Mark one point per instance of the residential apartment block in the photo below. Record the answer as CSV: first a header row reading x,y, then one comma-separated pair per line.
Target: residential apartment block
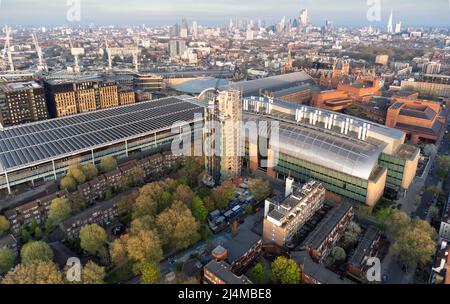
x,y
284,219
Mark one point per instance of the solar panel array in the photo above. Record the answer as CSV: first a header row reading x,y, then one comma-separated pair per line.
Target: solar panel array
x,y
37,142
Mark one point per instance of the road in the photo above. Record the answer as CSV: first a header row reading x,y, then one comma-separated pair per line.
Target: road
x,y
391,267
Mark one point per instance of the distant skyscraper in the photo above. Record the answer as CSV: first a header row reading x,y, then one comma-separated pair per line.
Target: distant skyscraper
x,y
303,18
398,27
184,29
390,25
176,47
194,29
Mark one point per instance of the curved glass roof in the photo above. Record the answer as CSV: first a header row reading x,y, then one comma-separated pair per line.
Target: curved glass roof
x,y
334,151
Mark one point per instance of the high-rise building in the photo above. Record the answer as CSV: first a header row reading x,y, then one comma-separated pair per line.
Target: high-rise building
x,y
431,68
184,29
194,29
22,102
284,219
390,25
177,47
398,27
225,113
303,18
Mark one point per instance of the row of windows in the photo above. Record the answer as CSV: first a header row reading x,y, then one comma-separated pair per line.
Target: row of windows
x,y
332,188
325,171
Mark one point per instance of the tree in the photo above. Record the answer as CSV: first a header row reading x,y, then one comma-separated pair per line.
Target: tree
x,y
125,203
184,194
39,272
59,210
36,251
209,203
4,225
108,164
259,188
135,177
443,165
93,239
258,274
338,254
285,271
150,273
199,210
145,247
223,194
248,209
77,202
414,246
145,222
118,250
351,234
25,235
7,258
68,183
434,212
38,233
435,190
77,174
206,233
430,149
177,226
364,212
90,171
396,223
144,205
192,171
92,274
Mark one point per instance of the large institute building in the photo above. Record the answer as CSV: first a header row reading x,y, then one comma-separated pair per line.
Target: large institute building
x,y
352,158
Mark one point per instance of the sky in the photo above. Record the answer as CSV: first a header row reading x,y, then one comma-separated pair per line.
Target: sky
x,y
218,12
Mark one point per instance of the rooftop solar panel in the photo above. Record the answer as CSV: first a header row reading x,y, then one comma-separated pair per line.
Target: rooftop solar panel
x,y
42,141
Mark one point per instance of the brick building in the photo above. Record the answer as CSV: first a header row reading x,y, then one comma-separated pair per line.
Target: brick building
x,y
333,100
35,210
320,242
421,120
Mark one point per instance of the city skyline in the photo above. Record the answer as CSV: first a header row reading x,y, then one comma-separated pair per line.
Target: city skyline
x,y
152,13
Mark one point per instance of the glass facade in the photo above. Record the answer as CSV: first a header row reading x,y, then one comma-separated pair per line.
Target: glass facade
x,y
336,182
395,167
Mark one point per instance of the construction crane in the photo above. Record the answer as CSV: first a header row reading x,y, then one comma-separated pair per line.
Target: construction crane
x,y
7,48
41,66
124,51
76,53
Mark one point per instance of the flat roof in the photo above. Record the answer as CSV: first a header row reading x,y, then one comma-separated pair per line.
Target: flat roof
x,y
222,271
240,244
35,143
17,86
273,84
